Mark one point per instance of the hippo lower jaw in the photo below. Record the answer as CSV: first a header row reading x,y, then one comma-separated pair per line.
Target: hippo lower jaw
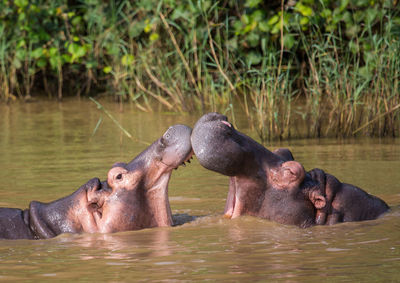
x,y
158,191
231,201
233,206
159,203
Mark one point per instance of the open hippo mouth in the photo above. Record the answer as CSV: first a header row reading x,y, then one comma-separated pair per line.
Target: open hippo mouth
x,y
135,195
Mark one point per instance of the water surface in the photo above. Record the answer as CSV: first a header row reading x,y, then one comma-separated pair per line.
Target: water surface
x,y
47,151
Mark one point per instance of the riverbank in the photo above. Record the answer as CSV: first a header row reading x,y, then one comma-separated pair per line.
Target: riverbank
x,y
334,67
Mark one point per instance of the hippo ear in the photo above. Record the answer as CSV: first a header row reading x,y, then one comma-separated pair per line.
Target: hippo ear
x,y
293,172
317,199
289,175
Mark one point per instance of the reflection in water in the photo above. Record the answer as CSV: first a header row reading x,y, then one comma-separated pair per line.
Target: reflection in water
x,y
47,151
154,243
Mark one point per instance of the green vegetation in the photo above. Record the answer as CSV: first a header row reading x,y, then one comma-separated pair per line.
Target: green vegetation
x,y
332,66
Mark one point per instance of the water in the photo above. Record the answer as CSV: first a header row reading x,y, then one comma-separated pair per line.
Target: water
x,y
47,151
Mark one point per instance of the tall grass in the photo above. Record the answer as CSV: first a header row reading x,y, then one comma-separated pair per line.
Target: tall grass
x,y
349,93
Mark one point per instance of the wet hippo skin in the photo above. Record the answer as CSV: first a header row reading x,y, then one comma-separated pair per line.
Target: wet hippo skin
x,y
272,185
135,196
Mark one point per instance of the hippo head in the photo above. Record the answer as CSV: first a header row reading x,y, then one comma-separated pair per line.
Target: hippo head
x,y
262,183
135,195
139,197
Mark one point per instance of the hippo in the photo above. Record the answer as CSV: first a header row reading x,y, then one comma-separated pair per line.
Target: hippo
x,y
135,196
272,185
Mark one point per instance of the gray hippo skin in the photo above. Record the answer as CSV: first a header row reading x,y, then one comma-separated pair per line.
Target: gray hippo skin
x,y
272,185
135,196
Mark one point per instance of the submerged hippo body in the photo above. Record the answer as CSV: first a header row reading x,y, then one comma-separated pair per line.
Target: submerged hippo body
x,y
272,185
135,196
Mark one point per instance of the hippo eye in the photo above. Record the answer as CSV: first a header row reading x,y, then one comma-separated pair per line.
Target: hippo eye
x,y
119,176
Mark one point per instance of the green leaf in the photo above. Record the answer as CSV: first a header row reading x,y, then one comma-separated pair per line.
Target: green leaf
x,y
250,27
303,9
54,61
354,47
65,58
41,63
276,28
76,21
253,58
21,43
232,44
135,29
288,41
252,3
76,51
21,3
326,13
20,54
364,72
16,63
53,51
238,26
343,4
257,15
91,64
127,59
352,30
107,69
264,26
153,36
80,52
253,39
21,16
245,19
371,14
37,53
304,21
273,20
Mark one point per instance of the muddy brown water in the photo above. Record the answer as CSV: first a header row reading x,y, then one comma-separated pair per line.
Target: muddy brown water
x,y
47,151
